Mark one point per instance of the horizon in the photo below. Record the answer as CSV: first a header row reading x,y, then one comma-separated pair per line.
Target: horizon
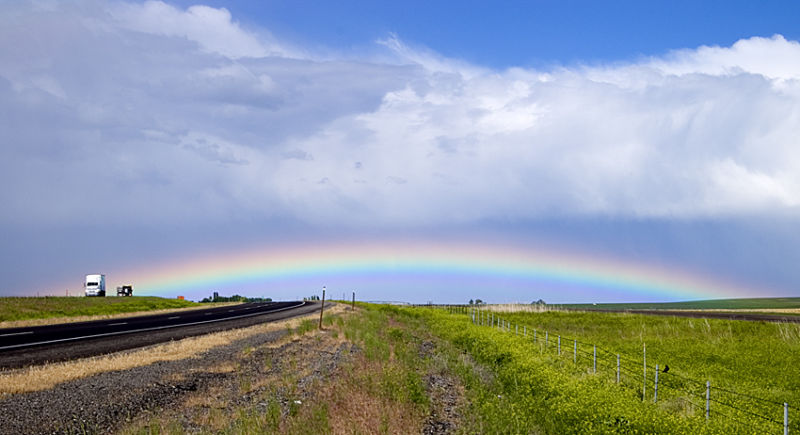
x,y
566,152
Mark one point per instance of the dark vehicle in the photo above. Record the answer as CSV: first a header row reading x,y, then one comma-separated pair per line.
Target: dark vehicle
x,y
125,290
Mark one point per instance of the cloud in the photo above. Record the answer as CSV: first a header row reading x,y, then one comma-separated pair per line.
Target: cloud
x,y
145,105
212,29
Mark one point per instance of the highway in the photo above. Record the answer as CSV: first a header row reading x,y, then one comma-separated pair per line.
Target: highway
x,y
33,345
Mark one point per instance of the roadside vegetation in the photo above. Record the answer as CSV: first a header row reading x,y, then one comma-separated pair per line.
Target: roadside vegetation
x,y
426,370
375,370
28,308
539,390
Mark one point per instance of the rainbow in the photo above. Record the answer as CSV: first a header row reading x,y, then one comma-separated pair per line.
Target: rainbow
x,y
431,271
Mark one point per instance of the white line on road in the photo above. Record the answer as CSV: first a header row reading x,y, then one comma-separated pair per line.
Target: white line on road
x,y
173,317
118,324
16,333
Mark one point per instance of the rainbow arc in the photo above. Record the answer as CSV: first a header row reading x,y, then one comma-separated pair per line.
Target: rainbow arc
x,y
431,264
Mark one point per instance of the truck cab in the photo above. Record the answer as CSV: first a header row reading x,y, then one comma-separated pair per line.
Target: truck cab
x,y
95,285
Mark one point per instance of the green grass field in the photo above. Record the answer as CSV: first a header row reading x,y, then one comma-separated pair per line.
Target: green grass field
x,y
18,308
712,304
539,390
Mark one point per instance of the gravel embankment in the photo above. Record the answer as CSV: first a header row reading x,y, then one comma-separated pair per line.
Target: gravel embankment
x,y
102,403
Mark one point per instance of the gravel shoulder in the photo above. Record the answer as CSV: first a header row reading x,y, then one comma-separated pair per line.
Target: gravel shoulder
x,y
101,403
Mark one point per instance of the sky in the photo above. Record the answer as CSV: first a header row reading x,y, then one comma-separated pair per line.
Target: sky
x,y
408,151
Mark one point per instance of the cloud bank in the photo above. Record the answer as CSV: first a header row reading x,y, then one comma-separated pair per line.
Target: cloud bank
x,y
147,113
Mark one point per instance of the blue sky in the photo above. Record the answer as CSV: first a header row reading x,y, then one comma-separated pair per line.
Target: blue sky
x,y
139,133
522,33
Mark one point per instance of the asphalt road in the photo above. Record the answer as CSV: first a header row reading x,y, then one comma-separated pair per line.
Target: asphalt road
x,y
35,345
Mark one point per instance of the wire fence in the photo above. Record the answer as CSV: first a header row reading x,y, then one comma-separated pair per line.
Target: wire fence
x,y
651,382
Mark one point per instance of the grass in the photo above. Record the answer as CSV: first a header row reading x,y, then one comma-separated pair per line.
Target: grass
x,y
27,308
544,391
504,382
712,304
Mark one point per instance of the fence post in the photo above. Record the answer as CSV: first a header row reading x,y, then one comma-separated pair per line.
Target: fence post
x,y
785,418
524,330
708,398
516,329
594,359
534,336
618,368
322,308
655,388
644,364
559,345
575,351
546,338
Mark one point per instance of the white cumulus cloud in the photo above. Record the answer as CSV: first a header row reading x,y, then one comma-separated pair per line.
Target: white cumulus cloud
x,y
146,106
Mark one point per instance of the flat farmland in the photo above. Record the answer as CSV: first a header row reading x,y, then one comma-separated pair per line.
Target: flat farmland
x,y
550,377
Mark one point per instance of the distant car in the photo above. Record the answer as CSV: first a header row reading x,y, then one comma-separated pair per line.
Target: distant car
x,y
95,285
125,290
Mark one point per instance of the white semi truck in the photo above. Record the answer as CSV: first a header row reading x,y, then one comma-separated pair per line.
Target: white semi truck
x,y
95,285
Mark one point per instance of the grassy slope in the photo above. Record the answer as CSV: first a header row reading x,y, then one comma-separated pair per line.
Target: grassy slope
x,y
712,304
540,388
16,308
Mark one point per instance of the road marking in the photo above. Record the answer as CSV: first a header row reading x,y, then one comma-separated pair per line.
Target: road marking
x,y
16,333
208,314
118,324
230,311
173,317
